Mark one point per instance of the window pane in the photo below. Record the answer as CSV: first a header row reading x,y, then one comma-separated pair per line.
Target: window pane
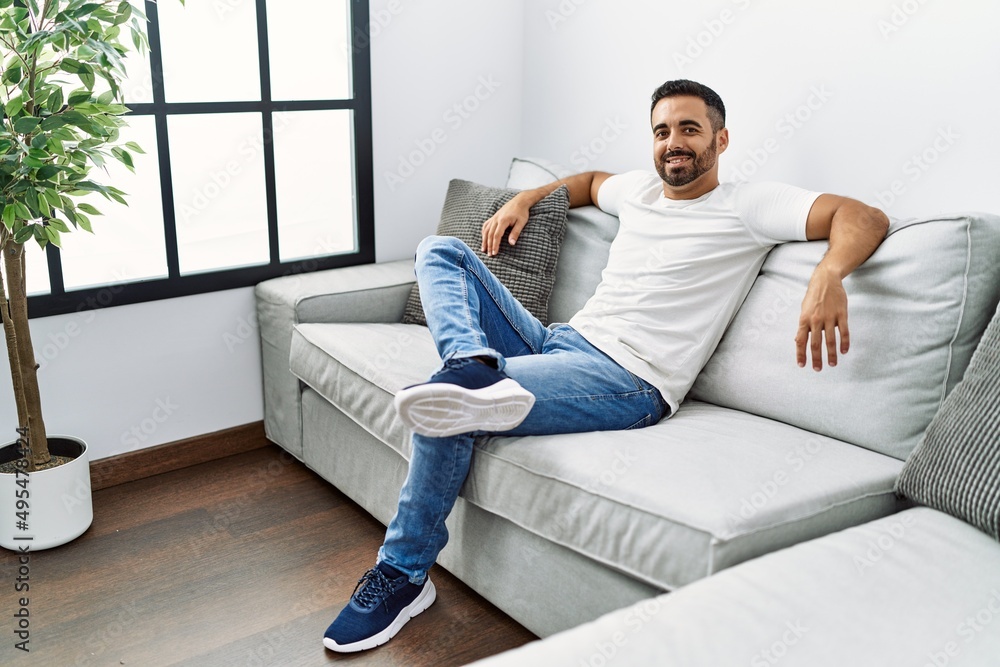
x,y
309,58
210,51
127,243
36,269
138,84
220,203
314,174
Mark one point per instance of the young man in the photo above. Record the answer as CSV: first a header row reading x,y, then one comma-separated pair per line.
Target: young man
x,y
628,358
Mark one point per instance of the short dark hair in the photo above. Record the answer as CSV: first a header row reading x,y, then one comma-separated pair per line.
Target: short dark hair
x,y
678,87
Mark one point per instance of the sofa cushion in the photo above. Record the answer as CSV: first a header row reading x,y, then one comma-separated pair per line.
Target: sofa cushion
x,y
584,252
360,367
917,588
917,309
956,467
717,485
527,269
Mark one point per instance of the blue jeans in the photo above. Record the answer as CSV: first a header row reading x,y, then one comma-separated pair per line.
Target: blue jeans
x,y
576,386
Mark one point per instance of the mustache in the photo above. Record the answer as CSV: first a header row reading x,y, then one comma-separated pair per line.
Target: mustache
x,y
672,154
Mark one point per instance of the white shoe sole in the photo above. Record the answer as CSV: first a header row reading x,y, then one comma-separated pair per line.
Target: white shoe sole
x,y
419,604
440,410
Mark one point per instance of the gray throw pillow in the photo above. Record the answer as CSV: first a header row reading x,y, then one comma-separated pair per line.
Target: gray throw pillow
x,y
528,268
956,467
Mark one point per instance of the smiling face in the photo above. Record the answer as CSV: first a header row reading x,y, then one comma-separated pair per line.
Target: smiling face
x,y
685,147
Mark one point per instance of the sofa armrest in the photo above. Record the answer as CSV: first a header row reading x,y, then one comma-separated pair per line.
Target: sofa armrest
x,y
366,293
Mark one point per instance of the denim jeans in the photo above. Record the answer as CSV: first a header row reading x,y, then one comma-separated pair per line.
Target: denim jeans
x,y
576,386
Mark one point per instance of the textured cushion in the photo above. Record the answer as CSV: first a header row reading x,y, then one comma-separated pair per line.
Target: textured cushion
x,y
956,467
917,588
528,268
917,309
706,489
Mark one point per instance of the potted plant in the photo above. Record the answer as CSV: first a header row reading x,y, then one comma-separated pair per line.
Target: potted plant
x,y
60,87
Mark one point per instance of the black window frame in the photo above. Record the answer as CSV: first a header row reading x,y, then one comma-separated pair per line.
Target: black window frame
x,y
59,301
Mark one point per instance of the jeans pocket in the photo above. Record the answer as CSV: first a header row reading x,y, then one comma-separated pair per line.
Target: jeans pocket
x,y
642,423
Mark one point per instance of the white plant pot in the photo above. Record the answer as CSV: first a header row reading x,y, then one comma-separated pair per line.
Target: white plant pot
x,y
58,508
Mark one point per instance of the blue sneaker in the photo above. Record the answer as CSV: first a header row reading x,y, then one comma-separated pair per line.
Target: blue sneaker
x,y
382,602
464,396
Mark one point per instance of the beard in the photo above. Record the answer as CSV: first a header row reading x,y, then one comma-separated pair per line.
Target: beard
x,y
688,172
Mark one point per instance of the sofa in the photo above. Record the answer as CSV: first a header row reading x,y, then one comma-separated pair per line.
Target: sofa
x,y
761,457
921,587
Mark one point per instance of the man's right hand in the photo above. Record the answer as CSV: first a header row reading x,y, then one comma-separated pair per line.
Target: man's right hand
x,y
514,214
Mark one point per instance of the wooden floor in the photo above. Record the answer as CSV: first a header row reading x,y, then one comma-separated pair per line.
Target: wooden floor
x,y
242,561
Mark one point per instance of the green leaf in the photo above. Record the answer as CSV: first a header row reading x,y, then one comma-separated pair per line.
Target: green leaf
x,y
84,223
14,106
59,225
134,147
8,215
55,101
26,124
78,96
52,235
12,76
86,75
87,208
47,172
24,233
70,65
123,157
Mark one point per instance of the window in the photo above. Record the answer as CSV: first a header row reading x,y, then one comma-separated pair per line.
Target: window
x,y
255,119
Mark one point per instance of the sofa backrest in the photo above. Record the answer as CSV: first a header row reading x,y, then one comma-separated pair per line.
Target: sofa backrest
x,y
917,308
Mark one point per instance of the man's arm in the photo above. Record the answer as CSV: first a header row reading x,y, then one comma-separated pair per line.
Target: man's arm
x,y
855,230
514,214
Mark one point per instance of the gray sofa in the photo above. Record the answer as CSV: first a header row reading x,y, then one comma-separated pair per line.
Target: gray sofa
x,y
762,455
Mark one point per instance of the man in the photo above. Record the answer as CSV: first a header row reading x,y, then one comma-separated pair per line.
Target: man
x,y
628,358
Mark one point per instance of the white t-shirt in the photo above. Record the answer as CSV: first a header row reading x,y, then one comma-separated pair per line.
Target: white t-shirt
x,y
679,270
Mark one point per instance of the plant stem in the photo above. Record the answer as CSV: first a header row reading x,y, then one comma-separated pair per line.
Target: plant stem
x,y
17,299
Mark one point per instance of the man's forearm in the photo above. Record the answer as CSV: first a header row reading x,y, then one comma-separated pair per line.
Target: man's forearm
x,y
582,189
855,232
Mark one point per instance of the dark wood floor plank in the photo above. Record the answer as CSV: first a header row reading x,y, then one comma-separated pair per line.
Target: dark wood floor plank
x,y
238,561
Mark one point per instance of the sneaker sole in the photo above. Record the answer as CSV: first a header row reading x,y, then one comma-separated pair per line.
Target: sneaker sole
x,y
440,410
419,604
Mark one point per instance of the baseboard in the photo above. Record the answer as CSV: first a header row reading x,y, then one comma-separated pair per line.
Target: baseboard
x,y
171,456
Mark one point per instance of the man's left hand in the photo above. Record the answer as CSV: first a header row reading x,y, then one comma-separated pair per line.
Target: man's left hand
x,y
824,314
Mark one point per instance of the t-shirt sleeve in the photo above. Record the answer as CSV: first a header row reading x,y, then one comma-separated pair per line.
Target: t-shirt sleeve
x,y
775,212
616,189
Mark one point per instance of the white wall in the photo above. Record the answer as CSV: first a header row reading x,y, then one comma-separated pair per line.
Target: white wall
x,y
886,91
130,377
568,80
447,104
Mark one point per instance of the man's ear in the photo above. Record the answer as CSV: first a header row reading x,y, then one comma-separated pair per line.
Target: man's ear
x,y
722,139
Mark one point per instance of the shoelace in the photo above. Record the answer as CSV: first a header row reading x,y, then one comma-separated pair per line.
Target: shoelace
x,y
374,587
